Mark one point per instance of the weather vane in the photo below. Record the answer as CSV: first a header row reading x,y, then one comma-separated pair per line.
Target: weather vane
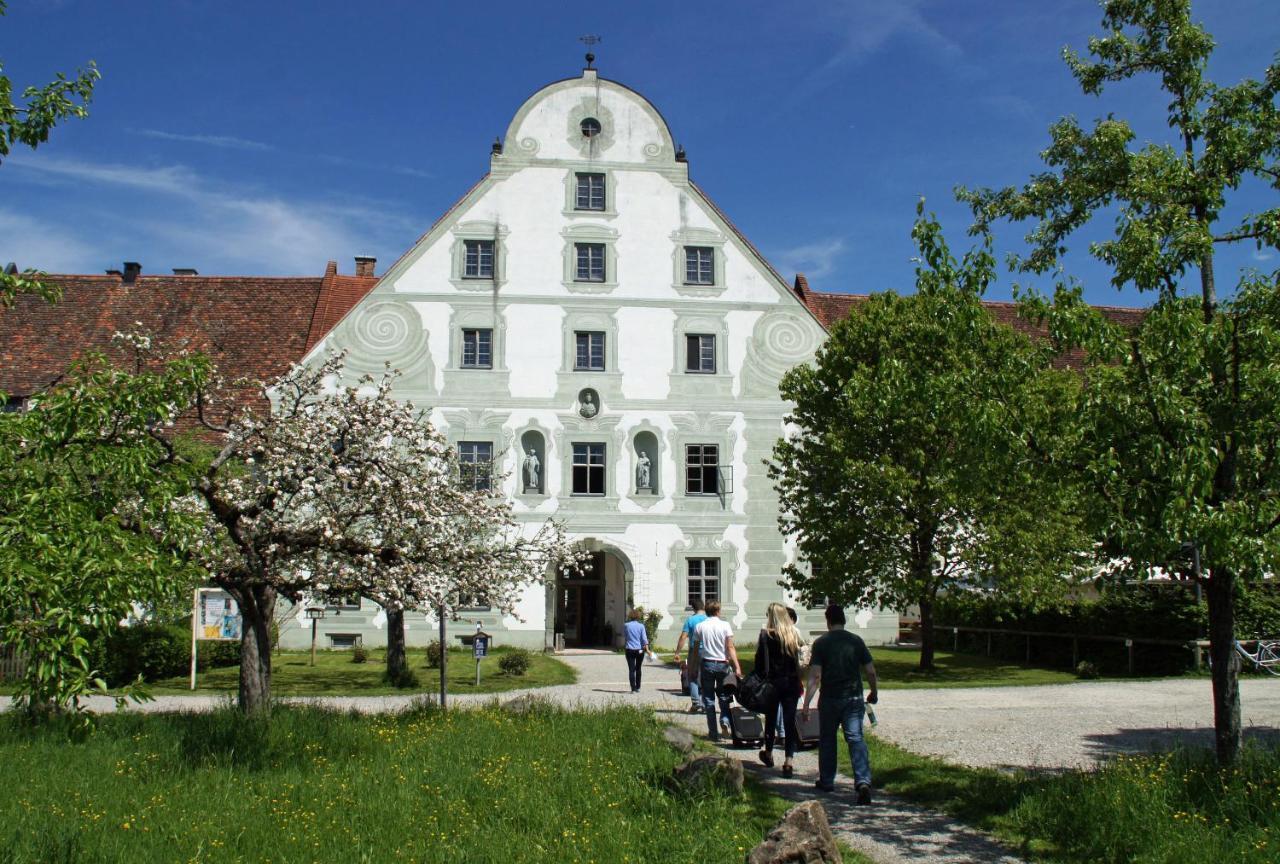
x,y
590,40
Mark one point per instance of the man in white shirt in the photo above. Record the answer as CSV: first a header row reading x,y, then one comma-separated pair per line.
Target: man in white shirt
x,y
716,656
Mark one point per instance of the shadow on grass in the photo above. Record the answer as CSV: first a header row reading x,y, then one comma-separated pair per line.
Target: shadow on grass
x,y
1104,745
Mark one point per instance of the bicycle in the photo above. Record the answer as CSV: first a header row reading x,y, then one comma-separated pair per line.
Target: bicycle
x,y
1266,656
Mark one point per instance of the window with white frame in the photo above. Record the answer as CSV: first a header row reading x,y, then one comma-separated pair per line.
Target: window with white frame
x,y
589,262
477,259
475,464
590,192
703,580
699,265
700,353
588,469
702,469
477,348
588,350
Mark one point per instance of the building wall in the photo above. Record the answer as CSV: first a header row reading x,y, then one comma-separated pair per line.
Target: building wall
x,y
533,304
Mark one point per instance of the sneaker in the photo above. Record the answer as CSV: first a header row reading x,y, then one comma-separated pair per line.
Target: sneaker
x,y
767,758
824,787
695,708
864,794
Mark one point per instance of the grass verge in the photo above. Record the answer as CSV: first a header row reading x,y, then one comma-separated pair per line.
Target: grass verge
x,y
313,785
336,675
1175,807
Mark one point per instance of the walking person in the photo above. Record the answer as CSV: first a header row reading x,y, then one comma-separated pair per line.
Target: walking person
x,y
837,659
637,646
778,654
686,635
716,657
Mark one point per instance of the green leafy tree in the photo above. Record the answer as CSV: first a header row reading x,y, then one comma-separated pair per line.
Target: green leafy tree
x,y
1168,199
912,470
85,480
29,122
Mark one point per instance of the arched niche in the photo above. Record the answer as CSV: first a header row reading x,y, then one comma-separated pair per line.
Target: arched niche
x,y
647,455
533,463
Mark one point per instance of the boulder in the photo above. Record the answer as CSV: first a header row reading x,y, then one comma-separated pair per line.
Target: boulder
x,y
524,704
707,773
679,738
802,837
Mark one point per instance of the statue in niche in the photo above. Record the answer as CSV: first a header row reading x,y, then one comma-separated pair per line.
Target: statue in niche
x,y
589,407
531,469
643,479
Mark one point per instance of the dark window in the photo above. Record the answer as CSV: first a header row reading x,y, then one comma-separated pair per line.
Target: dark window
x,y
475,464
588,469
699,265
343,601
818,602
590,192
590,262
588,351
701,469
13,405
479,259
700,352
477,349
472,603
590,127
704,580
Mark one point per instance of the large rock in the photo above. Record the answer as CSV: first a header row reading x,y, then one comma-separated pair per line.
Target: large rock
x,y
707,773
802,837
525,704
679,738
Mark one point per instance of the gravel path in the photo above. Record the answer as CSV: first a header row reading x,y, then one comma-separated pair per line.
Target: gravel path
x,y
1004,727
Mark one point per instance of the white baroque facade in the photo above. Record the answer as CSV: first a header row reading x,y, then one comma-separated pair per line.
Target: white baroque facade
x,y
587,304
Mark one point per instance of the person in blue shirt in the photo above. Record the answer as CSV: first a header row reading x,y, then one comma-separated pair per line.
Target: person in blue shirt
x,y
637,647
686,635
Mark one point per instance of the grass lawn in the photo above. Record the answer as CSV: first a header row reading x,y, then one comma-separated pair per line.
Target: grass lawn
x,y
897,670
312,785
335,675
1174,808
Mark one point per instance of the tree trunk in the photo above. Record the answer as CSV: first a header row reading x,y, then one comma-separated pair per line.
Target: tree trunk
x,y
257,610
927,640
1226,664
397,665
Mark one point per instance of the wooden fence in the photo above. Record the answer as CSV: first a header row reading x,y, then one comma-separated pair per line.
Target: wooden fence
x,y
13,664
1195,646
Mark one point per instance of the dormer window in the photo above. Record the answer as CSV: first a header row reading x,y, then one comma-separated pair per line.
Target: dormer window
x,y
590,127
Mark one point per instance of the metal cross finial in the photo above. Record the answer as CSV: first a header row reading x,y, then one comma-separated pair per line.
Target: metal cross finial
x,y
590,40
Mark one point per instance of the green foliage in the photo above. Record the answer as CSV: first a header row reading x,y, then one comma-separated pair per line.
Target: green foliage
x,y
359,654
433,654
84,489
916,461
29,122
515,662
146,651
651,618
424,786
1087,670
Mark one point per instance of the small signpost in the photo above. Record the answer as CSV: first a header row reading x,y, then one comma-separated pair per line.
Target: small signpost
x,y
480,648
215,617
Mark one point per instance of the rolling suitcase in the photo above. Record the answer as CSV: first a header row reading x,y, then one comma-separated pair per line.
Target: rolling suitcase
x,y
807,731
685,669
746,728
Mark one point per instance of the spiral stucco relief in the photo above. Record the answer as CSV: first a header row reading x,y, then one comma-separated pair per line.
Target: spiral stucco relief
x,y
653,150
387,331
529,146
780,342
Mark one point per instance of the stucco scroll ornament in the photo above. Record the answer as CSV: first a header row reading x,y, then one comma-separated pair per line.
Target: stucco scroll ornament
x,y
588,403
385,332
643,478
531,469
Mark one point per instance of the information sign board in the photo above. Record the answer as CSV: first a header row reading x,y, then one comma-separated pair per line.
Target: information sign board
x,y
217,616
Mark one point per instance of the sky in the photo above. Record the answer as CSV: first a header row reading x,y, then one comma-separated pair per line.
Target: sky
x,y
268,138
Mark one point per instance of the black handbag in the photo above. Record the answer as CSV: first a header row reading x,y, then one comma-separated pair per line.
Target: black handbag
x,y
756,692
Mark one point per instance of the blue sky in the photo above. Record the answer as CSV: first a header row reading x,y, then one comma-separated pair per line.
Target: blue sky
x,y
267,138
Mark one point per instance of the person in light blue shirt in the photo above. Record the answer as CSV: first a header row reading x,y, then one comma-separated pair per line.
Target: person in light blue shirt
x,y
637,647
686,635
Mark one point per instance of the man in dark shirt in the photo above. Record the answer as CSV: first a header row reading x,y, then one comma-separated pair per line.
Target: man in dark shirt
x,y
838,658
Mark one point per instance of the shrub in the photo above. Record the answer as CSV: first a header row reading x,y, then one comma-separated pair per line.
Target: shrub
x,y
651,618
515,662
359,654
1086,670
433,655
406,679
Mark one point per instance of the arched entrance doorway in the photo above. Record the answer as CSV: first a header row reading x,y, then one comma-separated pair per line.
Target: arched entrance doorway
x,y
589,608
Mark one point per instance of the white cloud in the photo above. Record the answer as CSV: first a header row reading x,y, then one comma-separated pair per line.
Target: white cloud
x,y
184,218
864,26
35,243
224,141
1259,255
815,260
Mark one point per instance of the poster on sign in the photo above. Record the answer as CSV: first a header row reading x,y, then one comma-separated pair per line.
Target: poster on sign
x,y
217,615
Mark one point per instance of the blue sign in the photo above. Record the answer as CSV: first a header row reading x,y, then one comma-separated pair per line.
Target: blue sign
x,y
480,647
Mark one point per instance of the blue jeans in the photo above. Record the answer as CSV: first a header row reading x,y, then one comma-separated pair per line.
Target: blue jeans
x,y
712,677
695,692
847,713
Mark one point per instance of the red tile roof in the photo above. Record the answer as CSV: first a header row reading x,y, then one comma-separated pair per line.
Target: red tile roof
x,y
830,308
252,326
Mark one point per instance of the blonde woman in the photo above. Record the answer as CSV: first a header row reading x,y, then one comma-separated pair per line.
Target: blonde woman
x,y
778,657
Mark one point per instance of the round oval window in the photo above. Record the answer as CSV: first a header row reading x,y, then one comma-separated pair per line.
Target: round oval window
x,y
590,127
